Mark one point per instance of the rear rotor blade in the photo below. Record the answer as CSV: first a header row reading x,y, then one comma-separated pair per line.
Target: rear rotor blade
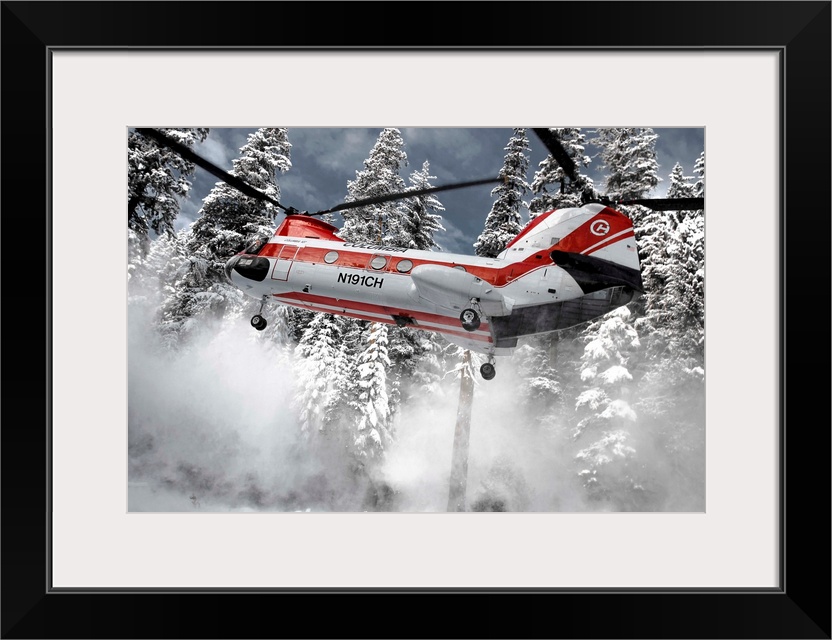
x,y
211,168
668,204
553,144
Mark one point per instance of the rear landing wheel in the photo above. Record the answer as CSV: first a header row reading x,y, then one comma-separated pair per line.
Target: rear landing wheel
x,y
258,322
488,371
470,320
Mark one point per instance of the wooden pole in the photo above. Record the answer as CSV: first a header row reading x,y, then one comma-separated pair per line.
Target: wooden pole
x,y
459,458
554,339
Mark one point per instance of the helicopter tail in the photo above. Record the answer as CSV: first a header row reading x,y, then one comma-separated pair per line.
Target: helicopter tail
x,y
595,243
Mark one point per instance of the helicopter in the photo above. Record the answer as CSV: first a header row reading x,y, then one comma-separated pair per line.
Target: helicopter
x,y
566,267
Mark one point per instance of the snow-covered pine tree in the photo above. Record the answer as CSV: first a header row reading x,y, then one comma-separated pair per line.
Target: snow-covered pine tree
x,y
420,218
699,172
377,223
551,186
672,272
228,220
157,181
629,158
656,239
671,392
372,430
321,366
672,387
505,219
680,186
150,281
608,466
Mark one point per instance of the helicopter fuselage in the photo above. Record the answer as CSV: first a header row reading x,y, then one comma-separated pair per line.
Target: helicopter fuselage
x,y
564,268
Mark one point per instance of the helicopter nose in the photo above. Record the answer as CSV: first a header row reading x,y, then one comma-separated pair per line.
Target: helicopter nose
x,y
250,268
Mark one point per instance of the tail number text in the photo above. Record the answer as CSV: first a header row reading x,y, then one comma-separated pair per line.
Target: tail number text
x,y
364,281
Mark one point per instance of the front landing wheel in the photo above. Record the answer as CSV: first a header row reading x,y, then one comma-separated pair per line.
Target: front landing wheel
x,y
258,322
470,320
488,371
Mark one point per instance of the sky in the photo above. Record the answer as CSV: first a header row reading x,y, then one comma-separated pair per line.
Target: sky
x,y
325,159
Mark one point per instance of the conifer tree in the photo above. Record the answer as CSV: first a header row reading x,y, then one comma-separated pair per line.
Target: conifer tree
x,y
505,219
378,223
150,281
157,181
699,172
372,428
607,461
672,272
680,186
321,367
228,221
628,155
674,312
420,217
671,395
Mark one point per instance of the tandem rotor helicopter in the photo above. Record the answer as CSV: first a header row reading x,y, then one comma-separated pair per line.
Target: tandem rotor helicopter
x,y
566,267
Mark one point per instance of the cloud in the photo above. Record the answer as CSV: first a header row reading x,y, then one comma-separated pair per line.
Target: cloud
x,y
216,149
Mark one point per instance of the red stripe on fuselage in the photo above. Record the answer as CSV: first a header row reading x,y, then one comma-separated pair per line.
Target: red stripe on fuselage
x,y
606,243
376,308
497,276
530,227
386,312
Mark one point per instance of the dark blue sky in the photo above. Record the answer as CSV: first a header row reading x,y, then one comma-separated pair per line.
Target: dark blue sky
x,y
324,159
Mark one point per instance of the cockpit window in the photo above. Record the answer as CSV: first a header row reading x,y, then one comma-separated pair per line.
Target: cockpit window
x,y
255,245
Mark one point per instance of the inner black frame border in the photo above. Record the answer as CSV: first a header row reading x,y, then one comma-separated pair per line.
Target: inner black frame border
x,y
799,608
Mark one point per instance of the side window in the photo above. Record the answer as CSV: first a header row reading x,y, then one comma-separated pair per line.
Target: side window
x,y
378,262
331,257
403,266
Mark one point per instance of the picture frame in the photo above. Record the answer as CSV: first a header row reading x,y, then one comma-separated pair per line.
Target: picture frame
x,y
32,607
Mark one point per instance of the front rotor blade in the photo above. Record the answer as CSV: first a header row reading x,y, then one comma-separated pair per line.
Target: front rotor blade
x,y
548,138
403,194
211,168
668,204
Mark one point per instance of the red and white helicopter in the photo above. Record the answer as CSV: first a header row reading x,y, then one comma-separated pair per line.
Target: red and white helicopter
x,y
566,267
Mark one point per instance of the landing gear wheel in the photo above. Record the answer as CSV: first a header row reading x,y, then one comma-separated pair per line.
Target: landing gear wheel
x,y
259,322
470,320
488,371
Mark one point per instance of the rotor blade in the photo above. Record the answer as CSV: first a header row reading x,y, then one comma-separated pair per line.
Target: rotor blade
x,y
548,138
403,194
668,204
226,177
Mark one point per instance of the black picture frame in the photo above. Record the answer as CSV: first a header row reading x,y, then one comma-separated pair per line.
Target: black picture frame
x,y
799,608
